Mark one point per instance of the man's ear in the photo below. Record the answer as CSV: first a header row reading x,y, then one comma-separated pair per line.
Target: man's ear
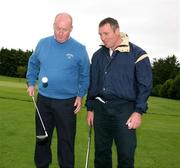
x,y
117,30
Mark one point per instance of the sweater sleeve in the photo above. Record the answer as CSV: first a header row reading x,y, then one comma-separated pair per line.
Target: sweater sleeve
x,y
84,73
33,68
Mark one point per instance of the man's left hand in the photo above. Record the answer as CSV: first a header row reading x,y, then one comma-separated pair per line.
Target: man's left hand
x,y
134,120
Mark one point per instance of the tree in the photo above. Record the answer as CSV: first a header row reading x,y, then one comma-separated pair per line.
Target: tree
x,y
12,61
164,69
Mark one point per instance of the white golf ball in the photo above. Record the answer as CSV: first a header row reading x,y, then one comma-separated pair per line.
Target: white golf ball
x,y
129,124
44,79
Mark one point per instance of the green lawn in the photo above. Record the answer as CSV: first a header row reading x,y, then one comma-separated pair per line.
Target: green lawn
x,y
158,137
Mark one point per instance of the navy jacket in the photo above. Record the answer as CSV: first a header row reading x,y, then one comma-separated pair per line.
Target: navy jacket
x,y
125,76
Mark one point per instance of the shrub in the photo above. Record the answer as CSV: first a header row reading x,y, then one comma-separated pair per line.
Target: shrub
x,y
156,90
165,89
21,71
175,88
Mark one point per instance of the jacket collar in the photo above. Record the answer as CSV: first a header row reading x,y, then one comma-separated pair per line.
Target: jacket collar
x,y
124,46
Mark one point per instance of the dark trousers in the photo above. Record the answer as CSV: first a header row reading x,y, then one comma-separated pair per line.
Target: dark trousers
x,y
110,124
57,114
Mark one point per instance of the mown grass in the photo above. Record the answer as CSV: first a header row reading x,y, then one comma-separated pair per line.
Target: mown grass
x,y
158,137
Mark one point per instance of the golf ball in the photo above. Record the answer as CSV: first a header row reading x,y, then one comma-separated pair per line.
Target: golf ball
x,y
44,80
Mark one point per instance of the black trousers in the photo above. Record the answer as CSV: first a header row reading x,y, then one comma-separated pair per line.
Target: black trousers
x,y
110,124
57,114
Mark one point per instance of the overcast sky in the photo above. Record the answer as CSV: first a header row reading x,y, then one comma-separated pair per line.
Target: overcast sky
x,y
154,25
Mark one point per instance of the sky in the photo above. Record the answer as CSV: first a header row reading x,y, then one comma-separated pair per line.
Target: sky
x,y
154,25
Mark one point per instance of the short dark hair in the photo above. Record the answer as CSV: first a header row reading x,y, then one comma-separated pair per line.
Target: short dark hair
x,y
113,23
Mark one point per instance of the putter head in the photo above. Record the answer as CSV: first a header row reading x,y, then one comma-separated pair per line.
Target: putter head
x,y
42,139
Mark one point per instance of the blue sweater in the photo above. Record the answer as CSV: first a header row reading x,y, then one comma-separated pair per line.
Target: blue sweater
x,y
125,76
66,65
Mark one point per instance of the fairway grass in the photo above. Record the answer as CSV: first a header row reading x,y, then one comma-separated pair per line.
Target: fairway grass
x,y
158,137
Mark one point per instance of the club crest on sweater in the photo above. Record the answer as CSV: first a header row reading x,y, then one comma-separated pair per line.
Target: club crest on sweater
x,y
69,56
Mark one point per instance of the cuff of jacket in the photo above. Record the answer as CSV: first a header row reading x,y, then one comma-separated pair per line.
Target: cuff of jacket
x,y
89,105
140,111
89,109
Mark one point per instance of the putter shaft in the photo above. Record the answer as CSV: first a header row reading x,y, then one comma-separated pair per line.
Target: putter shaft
x,y
39,116
88,149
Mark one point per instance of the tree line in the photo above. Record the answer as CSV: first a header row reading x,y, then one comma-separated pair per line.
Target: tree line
x,y
166,72
14,62
166,77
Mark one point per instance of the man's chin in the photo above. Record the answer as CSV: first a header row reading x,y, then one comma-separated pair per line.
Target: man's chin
x,y
60,41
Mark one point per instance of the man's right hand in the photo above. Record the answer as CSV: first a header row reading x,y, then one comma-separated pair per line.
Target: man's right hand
x,y
31,90
90,118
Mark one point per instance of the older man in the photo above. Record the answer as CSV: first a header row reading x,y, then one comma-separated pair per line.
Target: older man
x,y
61,65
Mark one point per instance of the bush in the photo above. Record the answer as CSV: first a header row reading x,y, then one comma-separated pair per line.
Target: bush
x,y
175,88
156,90
165,89
21,71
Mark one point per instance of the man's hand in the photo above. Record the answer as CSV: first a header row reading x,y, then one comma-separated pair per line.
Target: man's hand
x,y
134,120
31,90
90,118
77,104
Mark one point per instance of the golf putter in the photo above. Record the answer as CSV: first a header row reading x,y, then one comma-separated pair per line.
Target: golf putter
x,y
88,149
40,137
